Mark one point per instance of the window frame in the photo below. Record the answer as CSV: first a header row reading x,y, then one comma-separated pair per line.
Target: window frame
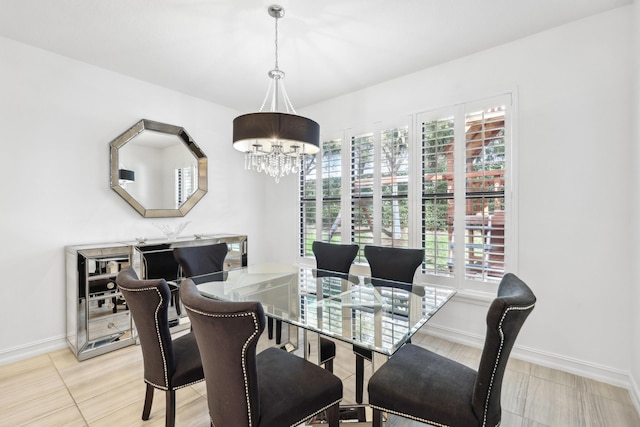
x,y
458,281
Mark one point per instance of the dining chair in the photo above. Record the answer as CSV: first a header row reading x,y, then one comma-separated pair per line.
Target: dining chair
x,y
334,257
424,386
396,267
332,260
169,364
273,388
394,264
200,260
158,263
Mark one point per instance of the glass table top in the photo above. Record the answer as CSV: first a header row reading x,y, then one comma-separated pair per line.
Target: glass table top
x,y
376,314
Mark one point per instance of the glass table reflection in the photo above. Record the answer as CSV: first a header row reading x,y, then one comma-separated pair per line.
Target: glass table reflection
x,y
375,314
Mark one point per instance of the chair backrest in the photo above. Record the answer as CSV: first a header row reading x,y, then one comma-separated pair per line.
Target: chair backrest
x,y
397,264
227,334
148,302
333,257
506,315
198,260
159,263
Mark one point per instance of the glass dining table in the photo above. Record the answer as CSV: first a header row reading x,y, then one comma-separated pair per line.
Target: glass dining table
x,y
375,314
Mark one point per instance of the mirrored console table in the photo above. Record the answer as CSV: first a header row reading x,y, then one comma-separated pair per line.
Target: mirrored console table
x,y
97,317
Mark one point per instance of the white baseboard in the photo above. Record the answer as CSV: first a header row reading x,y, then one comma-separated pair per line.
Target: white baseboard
x,y
574,366
635,394
33,349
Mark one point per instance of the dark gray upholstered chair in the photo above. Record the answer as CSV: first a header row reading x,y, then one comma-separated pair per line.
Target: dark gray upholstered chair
x,y
198,260
424,386
390,264
168,364
273,388
333,257
334,260
158,263
396,264
202,260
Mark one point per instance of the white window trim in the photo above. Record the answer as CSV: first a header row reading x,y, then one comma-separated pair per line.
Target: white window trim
x,y
474,289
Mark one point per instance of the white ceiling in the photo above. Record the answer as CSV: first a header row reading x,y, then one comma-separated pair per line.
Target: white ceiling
x,y
221,50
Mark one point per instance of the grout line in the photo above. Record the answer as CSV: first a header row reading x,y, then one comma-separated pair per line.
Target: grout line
x,y
66,386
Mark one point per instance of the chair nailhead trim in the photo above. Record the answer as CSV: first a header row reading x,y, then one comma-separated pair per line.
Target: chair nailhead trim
x,y
297,423
495,366
161,387
411,417
244,350
162,351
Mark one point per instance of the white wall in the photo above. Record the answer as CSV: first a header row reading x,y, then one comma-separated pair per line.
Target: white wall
x,y
635,283
57,118
576,182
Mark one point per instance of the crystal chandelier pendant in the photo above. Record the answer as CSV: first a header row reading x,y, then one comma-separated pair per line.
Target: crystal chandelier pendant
x,y
275,142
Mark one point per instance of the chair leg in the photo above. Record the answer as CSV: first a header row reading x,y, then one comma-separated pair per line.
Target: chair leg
x,y
362,414
170,417
270,327
176,298
278,331
333,415
148,401
377,418
359,378
328,365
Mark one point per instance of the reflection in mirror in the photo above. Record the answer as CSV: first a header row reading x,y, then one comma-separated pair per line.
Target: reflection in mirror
x,y
158,169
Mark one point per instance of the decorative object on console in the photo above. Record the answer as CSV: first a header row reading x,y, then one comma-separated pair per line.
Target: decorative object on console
x,y
275,142
172,232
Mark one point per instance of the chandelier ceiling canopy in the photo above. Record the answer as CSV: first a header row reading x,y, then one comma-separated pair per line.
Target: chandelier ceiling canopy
x,y
275,142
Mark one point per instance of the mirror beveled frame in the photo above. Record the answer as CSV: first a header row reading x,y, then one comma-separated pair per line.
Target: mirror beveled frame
x,y
182,134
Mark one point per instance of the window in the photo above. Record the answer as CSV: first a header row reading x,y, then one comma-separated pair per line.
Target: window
x,y
308,179
437,193
440,183
329,181
485,163
186,184
362,171
379,181
463,191
331,191
394,174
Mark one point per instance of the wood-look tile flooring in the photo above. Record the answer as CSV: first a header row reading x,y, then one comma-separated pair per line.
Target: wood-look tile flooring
x,y
55,390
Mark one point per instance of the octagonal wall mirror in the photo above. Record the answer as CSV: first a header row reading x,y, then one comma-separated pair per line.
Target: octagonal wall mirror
x,y
158,169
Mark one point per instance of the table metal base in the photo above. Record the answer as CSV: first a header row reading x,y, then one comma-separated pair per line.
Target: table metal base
x,y
352,415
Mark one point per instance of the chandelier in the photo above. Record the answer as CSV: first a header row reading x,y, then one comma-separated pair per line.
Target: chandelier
x,y
275,142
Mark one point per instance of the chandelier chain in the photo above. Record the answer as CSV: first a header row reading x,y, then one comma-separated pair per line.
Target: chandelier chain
x,y
276,43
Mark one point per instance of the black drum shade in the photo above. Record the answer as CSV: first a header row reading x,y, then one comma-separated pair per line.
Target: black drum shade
x,y
272,128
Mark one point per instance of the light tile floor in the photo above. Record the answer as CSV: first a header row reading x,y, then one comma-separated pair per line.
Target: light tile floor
x,y
55,389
